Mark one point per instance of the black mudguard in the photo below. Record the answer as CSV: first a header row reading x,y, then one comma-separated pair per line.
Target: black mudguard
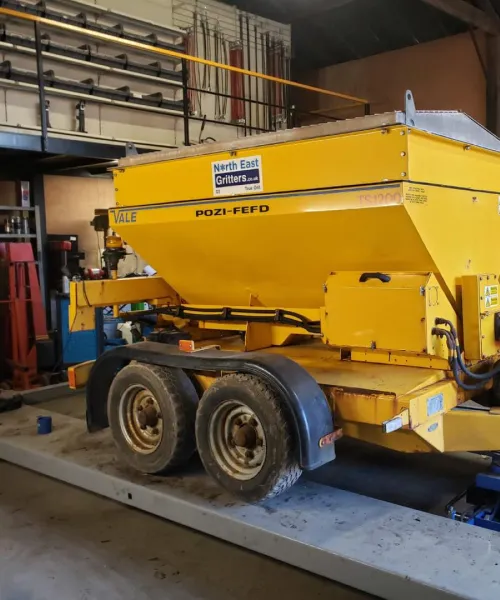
x,y
307,405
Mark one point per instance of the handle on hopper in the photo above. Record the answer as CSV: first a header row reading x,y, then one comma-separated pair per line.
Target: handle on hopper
x,y
380,276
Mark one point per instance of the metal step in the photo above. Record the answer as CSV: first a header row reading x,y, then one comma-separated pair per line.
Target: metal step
x,y
383,549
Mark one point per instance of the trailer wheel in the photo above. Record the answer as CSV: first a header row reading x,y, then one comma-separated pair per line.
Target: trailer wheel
x,y
151,412
244,439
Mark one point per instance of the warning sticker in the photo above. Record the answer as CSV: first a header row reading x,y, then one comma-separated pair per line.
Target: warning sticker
x,y
416,195
237,176
491,296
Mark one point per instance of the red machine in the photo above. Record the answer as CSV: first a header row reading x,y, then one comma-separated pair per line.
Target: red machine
x,y
22,314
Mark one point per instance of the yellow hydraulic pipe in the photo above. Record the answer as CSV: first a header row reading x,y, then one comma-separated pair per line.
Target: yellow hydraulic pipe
x,y
139,46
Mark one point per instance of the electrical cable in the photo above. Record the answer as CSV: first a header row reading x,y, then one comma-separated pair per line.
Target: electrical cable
x,y
60,362
85,294
201,139
99,250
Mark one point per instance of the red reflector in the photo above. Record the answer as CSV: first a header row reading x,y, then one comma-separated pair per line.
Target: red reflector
x,y
186,345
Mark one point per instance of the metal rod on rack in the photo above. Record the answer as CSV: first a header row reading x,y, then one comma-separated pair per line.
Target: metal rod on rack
x,y
171,53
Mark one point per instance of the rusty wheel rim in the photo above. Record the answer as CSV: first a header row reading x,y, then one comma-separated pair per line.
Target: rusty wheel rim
x,y
141,419
237,440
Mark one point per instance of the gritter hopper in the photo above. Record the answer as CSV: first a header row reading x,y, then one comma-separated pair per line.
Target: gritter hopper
x,y
403,191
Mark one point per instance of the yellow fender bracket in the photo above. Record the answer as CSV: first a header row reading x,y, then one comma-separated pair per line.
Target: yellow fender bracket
x,y
86,296
79,374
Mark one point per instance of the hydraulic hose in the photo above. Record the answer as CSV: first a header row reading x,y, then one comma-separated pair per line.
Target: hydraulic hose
x,y
278,316
455,363
481,376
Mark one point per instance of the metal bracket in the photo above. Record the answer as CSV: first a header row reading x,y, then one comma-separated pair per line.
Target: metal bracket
x,y
80,116
410,109
47,112
130,149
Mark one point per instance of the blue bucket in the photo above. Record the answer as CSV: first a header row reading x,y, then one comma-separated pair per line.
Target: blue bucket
x,y
44,425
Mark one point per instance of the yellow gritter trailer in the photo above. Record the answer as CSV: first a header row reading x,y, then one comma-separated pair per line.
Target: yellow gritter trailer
x,y
340,279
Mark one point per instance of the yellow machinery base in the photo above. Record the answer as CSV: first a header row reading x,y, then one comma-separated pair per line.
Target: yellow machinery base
x,y
404,408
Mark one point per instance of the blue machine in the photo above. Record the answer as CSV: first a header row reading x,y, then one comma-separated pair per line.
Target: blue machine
x,y
78,346
483,500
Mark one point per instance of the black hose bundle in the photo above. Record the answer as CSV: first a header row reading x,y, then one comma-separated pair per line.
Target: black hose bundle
x,y
456,360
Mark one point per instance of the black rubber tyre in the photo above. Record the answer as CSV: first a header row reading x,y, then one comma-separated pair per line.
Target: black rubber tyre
x,y
177,400
279,468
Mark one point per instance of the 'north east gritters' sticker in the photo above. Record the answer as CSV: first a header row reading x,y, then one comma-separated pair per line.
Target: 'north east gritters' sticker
x,y
237,176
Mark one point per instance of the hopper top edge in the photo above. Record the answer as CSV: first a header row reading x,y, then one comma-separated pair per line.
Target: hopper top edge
x,y
454,125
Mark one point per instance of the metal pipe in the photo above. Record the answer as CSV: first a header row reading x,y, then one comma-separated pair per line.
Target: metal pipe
x,y
264,83
235,97
243,78
249,66
270,86
172,53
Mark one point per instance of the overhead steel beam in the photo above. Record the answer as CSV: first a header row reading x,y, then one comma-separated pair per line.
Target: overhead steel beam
x,y
460,9
487,7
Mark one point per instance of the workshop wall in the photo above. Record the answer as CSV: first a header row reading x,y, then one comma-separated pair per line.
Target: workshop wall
x,y
443,75
111,119
70,204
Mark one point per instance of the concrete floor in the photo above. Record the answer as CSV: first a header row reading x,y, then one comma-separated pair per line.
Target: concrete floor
x,y
61,543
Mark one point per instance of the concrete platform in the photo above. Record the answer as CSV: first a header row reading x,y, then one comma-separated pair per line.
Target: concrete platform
x,y
383,549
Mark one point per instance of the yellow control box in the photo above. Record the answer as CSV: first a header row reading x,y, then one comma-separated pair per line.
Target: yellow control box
x,y
480,303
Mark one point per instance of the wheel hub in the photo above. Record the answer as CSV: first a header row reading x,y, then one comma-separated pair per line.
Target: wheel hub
x,y
246,437
237,440
141,420
147,417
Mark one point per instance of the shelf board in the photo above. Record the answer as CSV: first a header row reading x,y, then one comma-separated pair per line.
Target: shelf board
x,y
16,236
17,208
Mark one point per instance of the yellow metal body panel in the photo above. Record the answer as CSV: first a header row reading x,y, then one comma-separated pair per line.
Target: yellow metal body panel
x,y
395,315
480,302
86,296
455,226
471,431
282,256
408,359
443,161
341,160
